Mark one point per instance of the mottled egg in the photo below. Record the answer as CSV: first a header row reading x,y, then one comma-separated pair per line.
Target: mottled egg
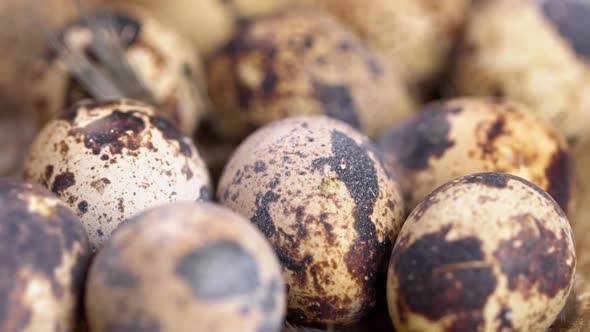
x,y
207,23
415,36
44,254
532,51
457,137
319,192
300,62
484,252
186,267
164,62
109,160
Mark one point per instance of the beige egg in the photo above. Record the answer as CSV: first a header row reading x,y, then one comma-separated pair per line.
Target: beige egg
x,y
319,192
186,267
485,252
470,135
531,51
299,62
110,160
415,36
208,24
44,253
164,62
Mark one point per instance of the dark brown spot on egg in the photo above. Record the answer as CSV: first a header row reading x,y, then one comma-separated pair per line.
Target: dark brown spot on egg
x,y
262,218
83,207
170,132
560,176
48,172
439,277
187,172
62,182
536,257
367,257
219,270
116,131
414,143
121,205
100,185
495,180
491,131
569,17
259,166
336,102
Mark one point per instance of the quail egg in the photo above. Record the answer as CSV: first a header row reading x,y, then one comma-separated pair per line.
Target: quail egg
x,y
319,192
111,159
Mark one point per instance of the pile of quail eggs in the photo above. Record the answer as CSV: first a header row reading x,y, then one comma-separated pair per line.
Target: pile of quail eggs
x,y
378,165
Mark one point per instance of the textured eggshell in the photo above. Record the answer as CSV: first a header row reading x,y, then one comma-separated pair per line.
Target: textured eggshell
x,y
485,252
186,267
535,52
415,36
470,135
109,160
319,192
300,62
165,63
44,254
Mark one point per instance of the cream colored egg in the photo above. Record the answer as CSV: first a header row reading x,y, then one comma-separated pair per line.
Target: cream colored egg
x,y
461,136
164,62
535,52
319,192
485,252
110,160
299,62
185,267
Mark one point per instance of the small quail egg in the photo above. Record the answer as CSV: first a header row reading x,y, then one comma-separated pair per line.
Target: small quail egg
x,y
535,52
301,62
484,252
111,159
44,254
186,267
164,62
457,137
318,190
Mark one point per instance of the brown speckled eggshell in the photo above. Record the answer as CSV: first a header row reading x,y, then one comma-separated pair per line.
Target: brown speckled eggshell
x,y
186,267
485,252
319,192
469,135
165,63
532,51
109,160
299,62
44,254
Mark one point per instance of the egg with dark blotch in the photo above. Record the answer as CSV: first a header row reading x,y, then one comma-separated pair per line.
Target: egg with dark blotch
x,y
164,62
111,159
319,192
457,137
185,267
484,252
44,254
535,52
301,62
416,37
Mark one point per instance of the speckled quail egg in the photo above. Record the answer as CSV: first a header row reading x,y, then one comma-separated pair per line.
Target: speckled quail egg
x,y
44,254
457,137
300,62
207,23
484,252
109,160
186,267
414,36
532,51
163,61
319,192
